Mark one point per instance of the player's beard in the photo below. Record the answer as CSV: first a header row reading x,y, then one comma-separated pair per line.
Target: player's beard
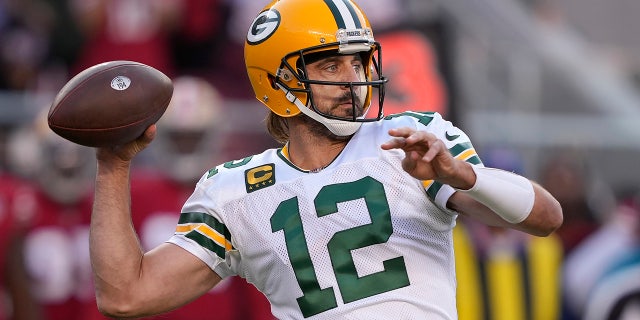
x,y
337,106
354,100
320,129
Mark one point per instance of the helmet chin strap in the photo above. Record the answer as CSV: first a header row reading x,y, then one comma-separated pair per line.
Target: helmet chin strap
x,y
338,127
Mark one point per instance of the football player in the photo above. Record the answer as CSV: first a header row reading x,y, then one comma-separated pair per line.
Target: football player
x,y
350,219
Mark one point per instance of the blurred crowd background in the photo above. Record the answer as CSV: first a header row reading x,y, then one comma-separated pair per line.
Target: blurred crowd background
x,y
546,88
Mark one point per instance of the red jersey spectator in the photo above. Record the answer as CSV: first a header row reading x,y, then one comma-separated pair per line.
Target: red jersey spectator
x,y
14,282
56,212
138,30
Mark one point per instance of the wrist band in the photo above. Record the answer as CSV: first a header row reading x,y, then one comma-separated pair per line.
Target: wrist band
x,y
509,195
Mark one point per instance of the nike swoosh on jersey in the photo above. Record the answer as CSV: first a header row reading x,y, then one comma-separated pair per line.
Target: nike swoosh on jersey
x,y
451,137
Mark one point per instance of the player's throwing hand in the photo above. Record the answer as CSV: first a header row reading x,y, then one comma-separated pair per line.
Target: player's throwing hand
x,y
126,152
427,158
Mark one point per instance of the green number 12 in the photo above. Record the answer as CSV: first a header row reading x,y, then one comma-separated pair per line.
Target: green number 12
x,y
352,287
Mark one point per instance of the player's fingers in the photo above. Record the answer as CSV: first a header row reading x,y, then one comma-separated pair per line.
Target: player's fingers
x,y
398,141
435,147
143,141
127,151
421,138
409,162
401,132
394,143
149,134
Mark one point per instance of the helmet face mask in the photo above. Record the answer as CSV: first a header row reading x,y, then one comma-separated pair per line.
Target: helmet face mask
x,y
287,33
361,92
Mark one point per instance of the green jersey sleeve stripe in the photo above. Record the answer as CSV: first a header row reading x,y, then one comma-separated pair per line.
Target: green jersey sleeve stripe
x,y
207,243
460,148
474,160
203,218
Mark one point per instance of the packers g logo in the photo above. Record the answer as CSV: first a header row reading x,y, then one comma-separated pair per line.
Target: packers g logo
x,y
259,177
265,25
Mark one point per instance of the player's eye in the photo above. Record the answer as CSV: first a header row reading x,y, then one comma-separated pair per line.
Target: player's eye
x,y
331,67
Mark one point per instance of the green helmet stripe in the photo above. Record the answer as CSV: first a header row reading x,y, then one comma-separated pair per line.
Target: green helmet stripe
x,y
345,14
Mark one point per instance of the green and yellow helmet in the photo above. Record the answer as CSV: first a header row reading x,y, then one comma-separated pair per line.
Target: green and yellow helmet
x,y
286,32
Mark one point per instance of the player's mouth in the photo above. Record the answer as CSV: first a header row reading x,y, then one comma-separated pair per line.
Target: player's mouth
x,y
346,109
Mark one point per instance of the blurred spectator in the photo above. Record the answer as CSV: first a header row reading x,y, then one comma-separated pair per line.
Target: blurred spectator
x,y
57,213
5,132
198,44
241,14
138,30
38,42
583,199
23,42
231,64
18,301
505,274
602,275
188,143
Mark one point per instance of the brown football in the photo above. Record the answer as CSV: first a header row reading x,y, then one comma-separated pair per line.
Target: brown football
x,y
110,104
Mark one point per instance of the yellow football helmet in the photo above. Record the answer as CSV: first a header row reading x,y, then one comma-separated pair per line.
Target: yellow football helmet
x,y
288,31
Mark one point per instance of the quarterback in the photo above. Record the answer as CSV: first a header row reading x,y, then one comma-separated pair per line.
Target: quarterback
x,y
350,219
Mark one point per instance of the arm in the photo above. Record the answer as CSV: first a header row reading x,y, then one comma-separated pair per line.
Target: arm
x,y
427,158
129,282
544,218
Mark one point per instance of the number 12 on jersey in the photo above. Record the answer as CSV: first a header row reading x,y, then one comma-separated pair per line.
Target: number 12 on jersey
x,y
352,287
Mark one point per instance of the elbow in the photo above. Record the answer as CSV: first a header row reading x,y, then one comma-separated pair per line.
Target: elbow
x,y
112,309
557,217
546,215
547,220
554,217
116,307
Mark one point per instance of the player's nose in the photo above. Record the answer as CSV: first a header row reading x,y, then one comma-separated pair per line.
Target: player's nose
x,y
352,75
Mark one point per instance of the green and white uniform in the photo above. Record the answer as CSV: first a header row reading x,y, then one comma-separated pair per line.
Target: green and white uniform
x,y
360,239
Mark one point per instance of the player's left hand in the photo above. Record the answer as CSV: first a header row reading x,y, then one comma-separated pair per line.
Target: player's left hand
x,y
427,158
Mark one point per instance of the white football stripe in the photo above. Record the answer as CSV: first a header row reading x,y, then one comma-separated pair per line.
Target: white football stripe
x,y
350,24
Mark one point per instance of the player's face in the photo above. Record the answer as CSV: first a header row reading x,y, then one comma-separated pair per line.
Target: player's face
x,y
338,100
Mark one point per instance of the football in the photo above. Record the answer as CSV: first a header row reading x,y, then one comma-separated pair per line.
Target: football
x,y
110,104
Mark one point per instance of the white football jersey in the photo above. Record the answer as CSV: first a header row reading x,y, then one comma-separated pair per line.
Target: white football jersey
x,y
359,239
